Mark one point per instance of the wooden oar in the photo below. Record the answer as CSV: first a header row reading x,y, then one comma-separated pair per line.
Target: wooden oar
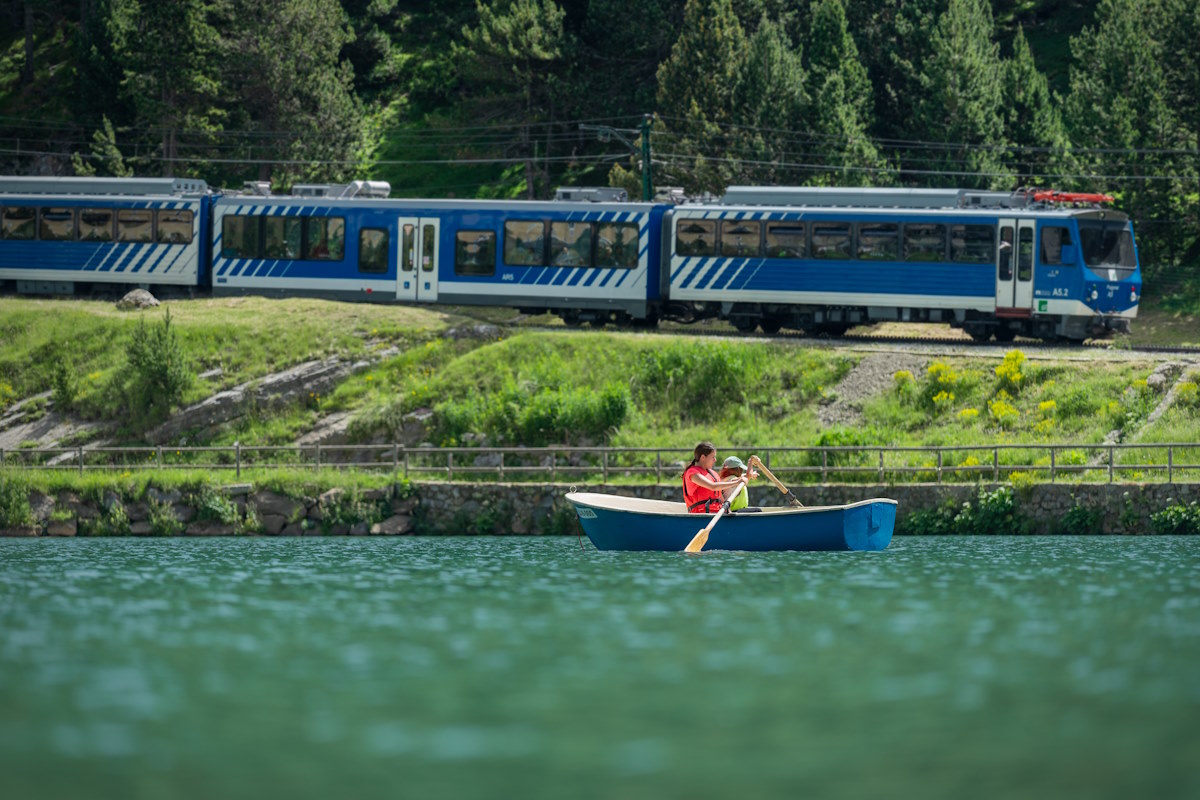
x,y
755,461
700,539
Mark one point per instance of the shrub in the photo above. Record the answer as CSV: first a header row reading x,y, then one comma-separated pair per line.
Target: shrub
x,y
160,374
937,393
15,511
987,513
843,437
1187,395
1009,372
1077,403
1002,412
1177,520
348,509
7,395
214,506
968,414
64,383
1080,521
163,521
1047,407
112,522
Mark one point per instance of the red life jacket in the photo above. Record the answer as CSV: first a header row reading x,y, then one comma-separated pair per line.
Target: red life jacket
x,y
700,500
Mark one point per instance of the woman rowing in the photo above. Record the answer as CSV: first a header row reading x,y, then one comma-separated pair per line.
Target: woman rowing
x,y
703,489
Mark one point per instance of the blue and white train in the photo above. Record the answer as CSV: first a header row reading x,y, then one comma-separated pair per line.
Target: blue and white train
x,y
822,260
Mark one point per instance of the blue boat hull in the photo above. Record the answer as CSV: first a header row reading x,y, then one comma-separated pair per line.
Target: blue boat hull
x,y
629,523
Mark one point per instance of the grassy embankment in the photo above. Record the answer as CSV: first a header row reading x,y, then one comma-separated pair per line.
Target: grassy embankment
x,y
577,388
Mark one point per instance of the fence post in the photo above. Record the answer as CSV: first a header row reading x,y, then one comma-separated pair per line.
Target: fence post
x,y
449,466
237,455
81,459
553,466
995,465
318,456
1110,463
824,466
604,466
2,457
159,457
1170,465
395,462
939,466
406,463
501,465
1052,465
658,468
881,465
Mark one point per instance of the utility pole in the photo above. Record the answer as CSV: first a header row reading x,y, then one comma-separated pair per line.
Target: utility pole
x,y
606,133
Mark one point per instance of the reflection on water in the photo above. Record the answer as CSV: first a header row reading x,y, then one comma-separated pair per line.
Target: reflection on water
x,y
523,667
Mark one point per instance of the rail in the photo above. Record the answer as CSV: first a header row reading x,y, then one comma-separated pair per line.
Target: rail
x,y
1139,462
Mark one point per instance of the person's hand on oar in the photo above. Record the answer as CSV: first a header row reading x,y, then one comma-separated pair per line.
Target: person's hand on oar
x,y
756,461
700,539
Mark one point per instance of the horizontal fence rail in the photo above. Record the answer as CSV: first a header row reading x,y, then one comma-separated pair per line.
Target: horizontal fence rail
x,y
1157,462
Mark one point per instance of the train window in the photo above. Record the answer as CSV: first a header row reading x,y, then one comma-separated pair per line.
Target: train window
x,y
239,236
785,240
174,227
373,249
475,253
1107,244
740,237
972,244
281,236
695,237
408,247
1025,254
56,224
1004,270
326,238
617,245
1053,239
879,241
570,244
924,242
135,225
831,240
428,243
18,223
96,225
525,243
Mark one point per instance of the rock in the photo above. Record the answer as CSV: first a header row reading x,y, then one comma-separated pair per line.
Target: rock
x,y
270,503
41,505
209,527
392,526
405,506
183,513
170,497
341,529
138,298
236,489
360,529
273,524
331,497
61,527
478,331
375,495
141,528
296,529
24,530
136,512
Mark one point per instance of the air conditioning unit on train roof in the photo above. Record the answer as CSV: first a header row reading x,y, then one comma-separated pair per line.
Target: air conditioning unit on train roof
x,y
343,191
591,194
854,197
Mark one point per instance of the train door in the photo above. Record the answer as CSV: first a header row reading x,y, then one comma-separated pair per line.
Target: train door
x,y
1014,266
416,278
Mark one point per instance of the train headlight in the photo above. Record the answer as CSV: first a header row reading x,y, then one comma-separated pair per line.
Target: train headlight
x,y
1095,295
1133,295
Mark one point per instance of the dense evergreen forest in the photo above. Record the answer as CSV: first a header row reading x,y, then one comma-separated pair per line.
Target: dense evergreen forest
x,y
509,98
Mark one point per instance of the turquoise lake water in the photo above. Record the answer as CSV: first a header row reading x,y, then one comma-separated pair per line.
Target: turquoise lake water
x,y
525,668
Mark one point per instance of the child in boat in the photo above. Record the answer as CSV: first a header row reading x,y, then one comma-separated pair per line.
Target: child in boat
x,y
735,468
703,490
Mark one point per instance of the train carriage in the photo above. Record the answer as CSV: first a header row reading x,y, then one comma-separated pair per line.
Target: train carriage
x,y
590,260
71,235
994,264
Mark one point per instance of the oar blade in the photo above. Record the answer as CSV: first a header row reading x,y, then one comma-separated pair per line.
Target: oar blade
x,y
698,541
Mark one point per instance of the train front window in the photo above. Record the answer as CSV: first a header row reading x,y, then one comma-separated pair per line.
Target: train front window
x,y
1108,245
740,238
1053,239
18,223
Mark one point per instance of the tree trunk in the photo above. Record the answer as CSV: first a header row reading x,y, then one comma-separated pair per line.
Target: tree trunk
x,y
27,70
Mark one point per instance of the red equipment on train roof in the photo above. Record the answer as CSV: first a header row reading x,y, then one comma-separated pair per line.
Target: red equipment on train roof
x,y
1055,196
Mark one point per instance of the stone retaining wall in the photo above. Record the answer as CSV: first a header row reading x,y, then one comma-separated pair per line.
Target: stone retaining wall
x,y
504,508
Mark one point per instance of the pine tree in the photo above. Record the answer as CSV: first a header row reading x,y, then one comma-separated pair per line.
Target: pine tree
x,y
1033,119
960,107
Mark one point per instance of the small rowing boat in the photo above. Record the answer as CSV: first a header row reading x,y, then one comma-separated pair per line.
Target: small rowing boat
x,y
633,523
